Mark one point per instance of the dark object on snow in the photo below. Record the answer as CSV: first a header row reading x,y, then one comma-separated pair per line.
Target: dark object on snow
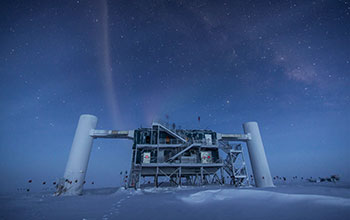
x,y
335,177
311,180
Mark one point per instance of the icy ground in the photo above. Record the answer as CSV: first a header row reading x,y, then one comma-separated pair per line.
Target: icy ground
x,y
308,201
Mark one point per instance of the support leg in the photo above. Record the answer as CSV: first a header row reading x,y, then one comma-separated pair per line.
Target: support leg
x,y
257,156
77,164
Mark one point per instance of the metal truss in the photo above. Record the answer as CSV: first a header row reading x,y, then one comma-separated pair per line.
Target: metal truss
x,y
176,178
234,164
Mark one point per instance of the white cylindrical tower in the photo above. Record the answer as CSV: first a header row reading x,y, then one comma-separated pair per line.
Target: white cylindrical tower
x,y
260,167
75,172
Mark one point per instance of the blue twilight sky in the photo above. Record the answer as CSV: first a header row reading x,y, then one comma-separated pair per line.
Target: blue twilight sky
x,y
284,64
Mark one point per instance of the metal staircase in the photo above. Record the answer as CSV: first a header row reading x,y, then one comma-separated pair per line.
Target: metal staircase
x,y
234,164
168,130
183,151
134,178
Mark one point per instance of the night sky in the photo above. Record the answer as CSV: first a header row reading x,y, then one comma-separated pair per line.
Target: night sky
x,y
284,64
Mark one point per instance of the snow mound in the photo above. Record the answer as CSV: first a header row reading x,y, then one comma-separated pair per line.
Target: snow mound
x,y
210,196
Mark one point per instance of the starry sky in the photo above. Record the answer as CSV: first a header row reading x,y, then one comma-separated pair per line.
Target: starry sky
x,y
284,64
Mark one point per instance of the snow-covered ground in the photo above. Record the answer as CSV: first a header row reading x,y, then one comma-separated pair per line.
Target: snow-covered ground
x,y
307,201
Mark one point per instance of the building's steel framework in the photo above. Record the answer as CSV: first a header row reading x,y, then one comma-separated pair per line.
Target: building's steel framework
x,y
194,157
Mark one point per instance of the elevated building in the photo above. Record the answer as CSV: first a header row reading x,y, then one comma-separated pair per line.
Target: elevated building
x,y
177,156
182,156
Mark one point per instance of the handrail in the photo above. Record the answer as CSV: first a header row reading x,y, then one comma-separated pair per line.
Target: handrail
x,y
169,130
183,151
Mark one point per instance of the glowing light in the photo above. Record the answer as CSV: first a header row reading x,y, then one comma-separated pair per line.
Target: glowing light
x,y
107,67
